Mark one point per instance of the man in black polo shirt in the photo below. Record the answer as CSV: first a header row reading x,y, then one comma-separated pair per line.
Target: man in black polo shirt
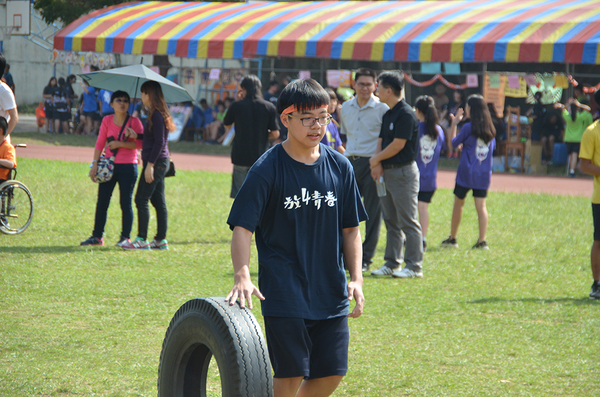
x,y
255,122
395,161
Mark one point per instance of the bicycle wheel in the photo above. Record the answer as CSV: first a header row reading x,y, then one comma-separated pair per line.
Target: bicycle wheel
x,y
16,207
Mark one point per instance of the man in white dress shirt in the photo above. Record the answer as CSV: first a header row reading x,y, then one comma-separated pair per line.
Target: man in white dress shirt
x,y
8,105
360,120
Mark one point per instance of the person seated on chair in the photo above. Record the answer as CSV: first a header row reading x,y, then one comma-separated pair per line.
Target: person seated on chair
x,y
216,129
193,126
8,156
207,115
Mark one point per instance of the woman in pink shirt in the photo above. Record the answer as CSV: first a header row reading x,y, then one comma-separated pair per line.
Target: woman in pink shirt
x,y
126,170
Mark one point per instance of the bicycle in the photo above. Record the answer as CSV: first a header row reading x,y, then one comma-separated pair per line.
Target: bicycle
x,y
16,203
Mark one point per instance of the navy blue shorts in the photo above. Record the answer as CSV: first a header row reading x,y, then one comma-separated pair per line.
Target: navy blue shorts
x,y
461,192
425,196
308,348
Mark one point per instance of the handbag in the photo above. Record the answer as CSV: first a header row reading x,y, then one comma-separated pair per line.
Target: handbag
x,y
171,171
106,165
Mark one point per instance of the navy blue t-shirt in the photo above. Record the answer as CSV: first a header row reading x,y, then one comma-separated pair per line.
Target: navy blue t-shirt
x,y
298,213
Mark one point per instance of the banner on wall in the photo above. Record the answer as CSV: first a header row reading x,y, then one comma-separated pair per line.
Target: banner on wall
x,y
339,78
100,60
546,84
345,78
472,81
215,74
515,86
333,78
189,76
493,90
225,76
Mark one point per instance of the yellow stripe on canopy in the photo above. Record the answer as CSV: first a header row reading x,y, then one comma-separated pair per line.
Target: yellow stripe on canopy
x,y
514,45
229,42
163,42
547,45
141,10
458,45
348,44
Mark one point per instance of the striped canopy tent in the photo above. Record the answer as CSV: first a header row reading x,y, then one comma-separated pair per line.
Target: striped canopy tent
x,y
563,31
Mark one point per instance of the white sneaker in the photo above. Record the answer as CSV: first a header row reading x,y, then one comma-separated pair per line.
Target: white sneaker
x,y
384,271
407,273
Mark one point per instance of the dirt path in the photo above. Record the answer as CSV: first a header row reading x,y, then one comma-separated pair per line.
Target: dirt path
x,y
500,182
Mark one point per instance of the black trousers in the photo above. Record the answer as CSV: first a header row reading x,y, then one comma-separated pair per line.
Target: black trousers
x,y
155,193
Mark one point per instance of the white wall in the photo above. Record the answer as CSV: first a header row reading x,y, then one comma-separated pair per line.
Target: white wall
x,y
29,64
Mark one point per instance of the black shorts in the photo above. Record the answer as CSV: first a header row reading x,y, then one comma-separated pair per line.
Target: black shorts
x,y
596,214
426,196
572,147
93,115
461,192
49,111
62,116
308,348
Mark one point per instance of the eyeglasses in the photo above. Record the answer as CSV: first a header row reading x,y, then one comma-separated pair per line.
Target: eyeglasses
x,y
310,121
364,85
119,100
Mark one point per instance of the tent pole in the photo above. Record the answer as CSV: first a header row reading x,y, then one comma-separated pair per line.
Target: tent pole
x,y
322,76
483,73
221,82
407,93
260,65
180,71
206,83
570,71
272,75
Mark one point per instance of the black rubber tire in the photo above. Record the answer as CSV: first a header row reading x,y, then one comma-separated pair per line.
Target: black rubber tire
x,y
24,208
205,327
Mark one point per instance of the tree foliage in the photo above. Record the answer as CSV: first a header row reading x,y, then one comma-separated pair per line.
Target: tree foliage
x,y
66,11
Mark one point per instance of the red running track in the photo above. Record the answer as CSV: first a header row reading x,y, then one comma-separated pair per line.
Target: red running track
x,y
193,162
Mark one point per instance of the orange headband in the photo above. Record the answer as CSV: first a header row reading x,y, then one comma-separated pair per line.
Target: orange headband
x,y
293,108
290,109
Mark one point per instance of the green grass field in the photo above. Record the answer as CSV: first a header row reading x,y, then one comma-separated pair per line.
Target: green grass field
x,y
90,321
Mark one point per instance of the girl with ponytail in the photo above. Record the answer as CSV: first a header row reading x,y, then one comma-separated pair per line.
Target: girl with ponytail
x,y
577,119
475,167
431,141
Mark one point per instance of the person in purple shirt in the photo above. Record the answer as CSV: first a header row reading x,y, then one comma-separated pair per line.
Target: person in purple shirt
x,y
475,167
431,141
155,156
332,134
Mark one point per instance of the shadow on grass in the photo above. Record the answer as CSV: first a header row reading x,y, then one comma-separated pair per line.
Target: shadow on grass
x,y
79,248
202,242
575,301
49,249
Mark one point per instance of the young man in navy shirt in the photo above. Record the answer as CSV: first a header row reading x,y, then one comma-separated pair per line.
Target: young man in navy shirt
x,y
301,200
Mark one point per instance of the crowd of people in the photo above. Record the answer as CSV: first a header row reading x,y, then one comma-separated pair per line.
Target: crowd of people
x,y
387,171
68,113
305,200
